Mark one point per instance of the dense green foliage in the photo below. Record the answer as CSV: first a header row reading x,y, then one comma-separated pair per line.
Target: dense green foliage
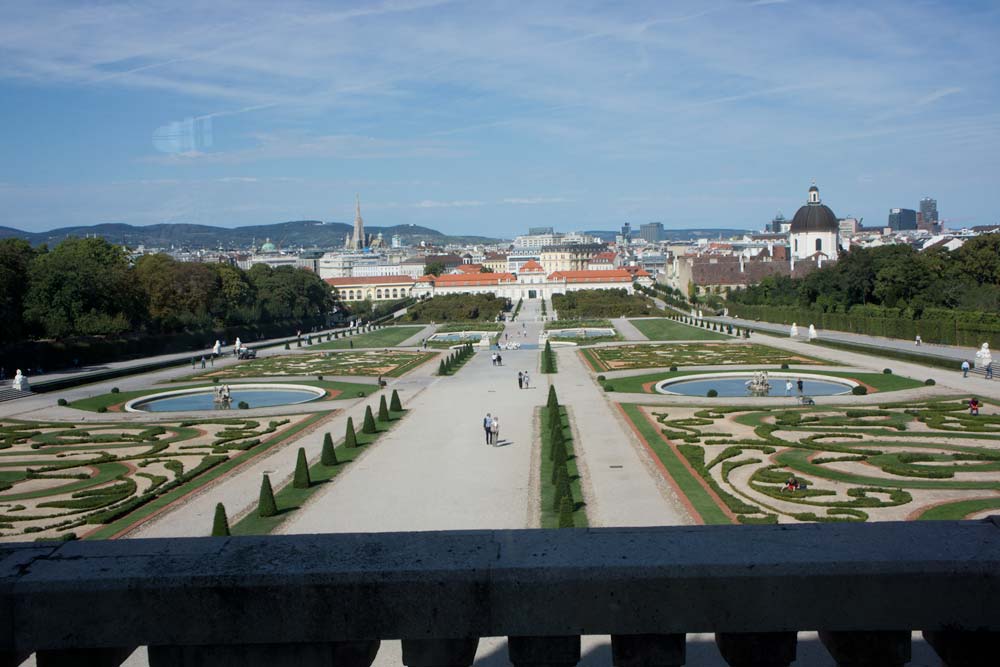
x,y
601,303
88,286
548,359
945,296
458,308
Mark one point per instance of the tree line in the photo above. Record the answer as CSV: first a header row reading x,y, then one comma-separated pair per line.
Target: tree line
x,y
944,296
89,287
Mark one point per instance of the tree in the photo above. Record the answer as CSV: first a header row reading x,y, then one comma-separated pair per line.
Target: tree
x,y
82,287
16,256
350,438
394,403
266,506
383,410
328,457
553,402
485,269
369,425
301,479
220,525
434,269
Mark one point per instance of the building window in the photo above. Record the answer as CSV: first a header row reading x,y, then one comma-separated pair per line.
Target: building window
x,y
796,245
378,294
819,245
395,294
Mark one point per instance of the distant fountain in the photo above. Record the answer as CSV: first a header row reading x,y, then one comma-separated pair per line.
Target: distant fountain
x,y
758,384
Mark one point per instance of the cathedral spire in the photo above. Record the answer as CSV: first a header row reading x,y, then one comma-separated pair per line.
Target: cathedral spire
x,y
358,240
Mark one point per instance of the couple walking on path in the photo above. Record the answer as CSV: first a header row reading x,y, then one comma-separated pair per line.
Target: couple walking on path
x,y
522,379
491,425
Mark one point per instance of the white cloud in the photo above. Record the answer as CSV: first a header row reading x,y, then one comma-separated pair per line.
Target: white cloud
x,y
459,203
535,200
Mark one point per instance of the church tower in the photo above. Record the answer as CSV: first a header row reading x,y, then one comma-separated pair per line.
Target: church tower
x,y
358,240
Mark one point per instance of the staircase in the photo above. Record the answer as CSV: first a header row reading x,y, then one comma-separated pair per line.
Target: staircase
x,y
8,394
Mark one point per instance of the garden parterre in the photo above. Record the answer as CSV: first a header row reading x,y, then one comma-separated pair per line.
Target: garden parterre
x,y
359,362
62,480
917,460
624,357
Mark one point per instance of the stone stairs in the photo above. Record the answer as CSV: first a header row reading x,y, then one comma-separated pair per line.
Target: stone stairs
x,y
8,394
981,372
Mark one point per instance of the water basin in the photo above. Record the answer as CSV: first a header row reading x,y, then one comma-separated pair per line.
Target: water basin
x,y
254,395
735,384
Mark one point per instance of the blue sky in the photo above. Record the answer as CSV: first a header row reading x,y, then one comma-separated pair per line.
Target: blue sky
x,y
489,117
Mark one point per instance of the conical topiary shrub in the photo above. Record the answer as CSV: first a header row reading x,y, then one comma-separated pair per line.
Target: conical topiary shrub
x,y
553,402
394,403
350,437
220,525
301,479
555,438
266,506
441,368
383,410
559,456
562,488
369,425
566,512
328,457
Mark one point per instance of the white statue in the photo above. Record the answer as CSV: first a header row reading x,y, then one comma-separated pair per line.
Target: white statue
x,y
701,315
812,332
983,357
20,382
217,348
794,333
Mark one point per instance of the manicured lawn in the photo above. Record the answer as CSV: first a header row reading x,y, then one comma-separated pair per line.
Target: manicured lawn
x,y
634,384
550,515
289,499
664,329
96,480
345,390
388,337
624,357
390,362
960,509
704,504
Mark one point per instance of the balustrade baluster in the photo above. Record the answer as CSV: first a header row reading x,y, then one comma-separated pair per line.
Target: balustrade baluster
x,y
757,649
83,657
668,650
439,652
965,649
866,648
318,654
544,651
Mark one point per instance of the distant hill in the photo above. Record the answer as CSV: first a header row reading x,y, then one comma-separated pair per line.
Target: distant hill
x,y
675,234
298,233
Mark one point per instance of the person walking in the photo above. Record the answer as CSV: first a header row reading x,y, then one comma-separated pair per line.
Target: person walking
x,y
788,387
989,371
495,430
965,368
488,427
917,341
499,360
526,386
520,379
203,362
800,384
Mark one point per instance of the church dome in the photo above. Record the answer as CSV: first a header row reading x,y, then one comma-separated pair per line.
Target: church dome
x,y
814,216
268,247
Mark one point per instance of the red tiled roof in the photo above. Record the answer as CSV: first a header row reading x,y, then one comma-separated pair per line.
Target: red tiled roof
x,y
455,280
531,266
370,280
469,268
599,276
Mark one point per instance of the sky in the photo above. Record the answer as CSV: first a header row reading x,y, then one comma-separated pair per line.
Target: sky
x,y
486,117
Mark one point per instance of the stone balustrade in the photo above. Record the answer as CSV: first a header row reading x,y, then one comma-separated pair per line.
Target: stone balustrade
x,y
305,600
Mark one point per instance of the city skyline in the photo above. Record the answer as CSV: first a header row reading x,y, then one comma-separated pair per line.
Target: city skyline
x,y
472,118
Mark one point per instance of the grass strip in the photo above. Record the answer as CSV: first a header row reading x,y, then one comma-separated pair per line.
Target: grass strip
x,y
387,337
289,499
689,485
129,520
549,516
959,509
665,329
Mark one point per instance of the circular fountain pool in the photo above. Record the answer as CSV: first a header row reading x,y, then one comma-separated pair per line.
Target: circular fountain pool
x,y
204,398
583,332
735,384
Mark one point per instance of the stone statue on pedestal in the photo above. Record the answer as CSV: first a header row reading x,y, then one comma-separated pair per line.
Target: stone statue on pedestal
x,y
983,356
794,331
20,382
812,332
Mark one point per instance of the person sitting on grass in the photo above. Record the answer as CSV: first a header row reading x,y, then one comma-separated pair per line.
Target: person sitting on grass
x,y
974,406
